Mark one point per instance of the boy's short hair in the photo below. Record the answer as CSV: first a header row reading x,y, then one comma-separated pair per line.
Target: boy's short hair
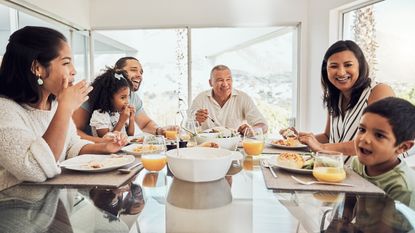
x,y
400,114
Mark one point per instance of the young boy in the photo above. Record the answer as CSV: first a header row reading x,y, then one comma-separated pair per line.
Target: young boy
x,y
387,129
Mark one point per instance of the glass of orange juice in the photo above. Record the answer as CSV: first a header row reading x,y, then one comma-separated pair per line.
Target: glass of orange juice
x,y
171,134
329,167
253,141
153,156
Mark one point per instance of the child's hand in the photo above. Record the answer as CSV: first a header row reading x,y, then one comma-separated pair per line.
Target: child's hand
x,y
132,111
125,114
72,96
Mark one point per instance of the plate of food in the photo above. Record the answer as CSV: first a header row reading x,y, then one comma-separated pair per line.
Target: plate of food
x,y
288,143
97,163
136,139
293,162
138,149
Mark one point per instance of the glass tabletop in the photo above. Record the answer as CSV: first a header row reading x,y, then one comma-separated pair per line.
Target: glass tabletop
x,y
158,202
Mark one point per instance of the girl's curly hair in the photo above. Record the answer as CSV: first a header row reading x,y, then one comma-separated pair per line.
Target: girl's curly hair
x,y
105,86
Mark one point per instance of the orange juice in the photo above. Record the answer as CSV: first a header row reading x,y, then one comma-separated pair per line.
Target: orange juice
x,y
253,147
248,164
329,174
171,134
150,179
154,162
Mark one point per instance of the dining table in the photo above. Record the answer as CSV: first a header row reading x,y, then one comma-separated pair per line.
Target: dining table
x,y
240,202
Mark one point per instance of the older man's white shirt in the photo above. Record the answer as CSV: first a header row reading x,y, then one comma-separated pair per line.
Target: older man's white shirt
x,y
239,109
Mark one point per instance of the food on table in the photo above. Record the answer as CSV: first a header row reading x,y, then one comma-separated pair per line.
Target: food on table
x,y
146,148
113,160
286,142
308,163
137,140
289,133
95,164
209,144
292,160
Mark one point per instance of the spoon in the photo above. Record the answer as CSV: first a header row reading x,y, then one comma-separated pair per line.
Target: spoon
x,y
128,170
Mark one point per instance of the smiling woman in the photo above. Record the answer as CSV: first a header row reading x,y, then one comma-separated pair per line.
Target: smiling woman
x,y
38,98
347,90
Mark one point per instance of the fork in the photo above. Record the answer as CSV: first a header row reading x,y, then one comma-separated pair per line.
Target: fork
x,y
265,163
128,170
319,182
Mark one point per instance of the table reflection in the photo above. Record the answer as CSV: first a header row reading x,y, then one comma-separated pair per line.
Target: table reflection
x,y
371,214
206,207
158,203
26,210
127,200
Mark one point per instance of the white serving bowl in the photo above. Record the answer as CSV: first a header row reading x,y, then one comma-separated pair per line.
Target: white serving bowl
x,y
224,143
199,164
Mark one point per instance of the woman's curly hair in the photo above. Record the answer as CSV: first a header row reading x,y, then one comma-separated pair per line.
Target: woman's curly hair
x,y
105,86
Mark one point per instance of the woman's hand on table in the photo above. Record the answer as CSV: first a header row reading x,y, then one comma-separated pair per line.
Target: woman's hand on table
x,y
310,140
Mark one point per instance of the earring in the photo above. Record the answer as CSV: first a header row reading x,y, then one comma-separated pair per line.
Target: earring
x,y
39,80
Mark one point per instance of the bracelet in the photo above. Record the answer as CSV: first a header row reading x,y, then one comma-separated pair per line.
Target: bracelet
x,y
157,131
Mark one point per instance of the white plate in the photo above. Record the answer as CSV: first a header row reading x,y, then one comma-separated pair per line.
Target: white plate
x,y
299,146
109,162
130,149
273,162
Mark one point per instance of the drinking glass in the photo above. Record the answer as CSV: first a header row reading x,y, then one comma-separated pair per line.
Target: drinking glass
x,y
253,141
153,156
171,134
328,167
188,132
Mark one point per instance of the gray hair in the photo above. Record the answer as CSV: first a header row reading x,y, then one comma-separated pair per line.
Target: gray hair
x,y
218,67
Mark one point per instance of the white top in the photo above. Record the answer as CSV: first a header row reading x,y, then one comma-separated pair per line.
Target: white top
x,y
343,129
239,108
24,154
105,120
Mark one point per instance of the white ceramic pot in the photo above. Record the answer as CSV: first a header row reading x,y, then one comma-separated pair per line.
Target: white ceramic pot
x,y
224,143
200,164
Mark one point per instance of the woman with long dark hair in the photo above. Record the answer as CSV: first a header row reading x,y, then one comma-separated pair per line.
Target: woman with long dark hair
x,y
347,90
37,99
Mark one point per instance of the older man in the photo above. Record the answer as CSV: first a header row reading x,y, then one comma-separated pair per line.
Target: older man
x,y
224,106
135,73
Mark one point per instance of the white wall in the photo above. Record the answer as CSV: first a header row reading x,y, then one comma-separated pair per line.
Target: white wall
x,y
74,12
168,13
317,44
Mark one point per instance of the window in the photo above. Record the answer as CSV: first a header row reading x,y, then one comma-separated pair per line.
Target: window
x,y
11,20
262,60
162,53
80,50
5,29
385,32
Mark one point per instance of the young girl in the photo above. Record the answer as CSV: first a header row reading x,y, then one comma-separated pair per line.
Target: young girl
x,y
109,102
